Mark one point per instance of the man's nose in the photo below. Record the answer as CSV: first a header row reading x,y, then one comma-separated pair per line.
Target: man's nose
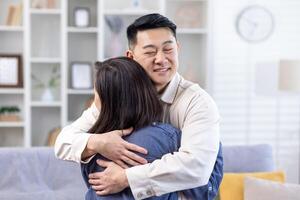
x,y
160,57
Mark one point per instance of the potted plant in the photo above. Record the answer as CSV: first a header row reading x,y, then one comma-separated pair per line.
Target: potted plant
x,y
48,85
9,113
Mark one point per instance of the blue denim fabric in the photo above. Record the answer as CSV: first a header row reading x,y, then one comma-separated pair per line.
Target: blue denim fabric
x,y
209,191
159,139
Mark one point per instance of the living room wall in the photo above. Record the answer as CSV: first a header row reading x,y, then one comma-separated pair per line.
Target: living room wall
x,y
249,117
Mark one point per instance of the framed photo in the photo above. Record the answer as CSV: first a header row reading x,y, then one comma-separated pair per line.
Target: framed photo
x,y
82,17
81,75
11,71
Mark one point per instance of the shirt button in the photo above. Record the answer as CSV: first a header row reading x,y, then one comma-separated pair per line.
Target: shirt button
x,y
139,195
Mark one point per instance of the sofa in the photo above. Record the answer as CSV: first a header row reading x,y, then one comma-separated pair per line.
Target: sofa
x,y
35,173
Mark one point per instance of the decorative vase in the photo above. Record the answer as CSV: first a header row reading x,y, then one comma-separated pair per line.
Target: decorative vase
x,y
47,95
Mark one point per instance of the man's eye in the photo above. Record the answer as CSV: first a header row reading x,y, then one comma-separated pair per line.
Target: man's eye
x,y
150,53
168,50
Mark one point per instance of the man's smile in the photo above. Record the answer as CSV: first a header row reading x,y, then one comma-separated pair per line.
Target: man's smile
x,y
164,69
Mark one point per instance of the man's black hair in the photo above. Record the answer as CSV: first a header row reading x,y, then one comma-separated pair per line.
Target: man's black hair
x,y
150,21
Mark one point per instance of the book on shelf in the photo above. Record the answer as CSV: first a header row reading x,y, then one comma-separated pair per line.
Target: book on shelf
x,y
10,15
14,16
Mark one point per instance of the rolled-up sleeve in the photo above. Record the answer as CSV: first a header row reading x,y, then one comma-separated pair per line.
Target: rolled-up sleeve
x,y
193,164
73,138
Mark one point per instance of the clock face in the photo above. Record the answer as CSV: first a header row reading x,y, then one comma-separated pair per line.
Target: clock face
x,y
255,23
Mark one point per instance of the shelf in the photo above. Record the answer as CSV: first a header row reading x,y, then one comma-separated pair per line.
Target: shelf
x,y
86,91
11,124
191,31
45,11
11,91
12,28
82,30
184,1
128,12
45,104
45,60
48,38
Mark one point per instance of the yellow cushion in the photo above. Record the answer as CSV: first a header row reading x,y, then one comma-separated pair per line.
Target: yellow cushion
x,y
232,186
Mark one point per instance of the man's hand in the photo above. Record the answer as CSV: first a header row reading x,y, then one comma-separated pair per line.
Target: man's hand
x,y
112,180
112,146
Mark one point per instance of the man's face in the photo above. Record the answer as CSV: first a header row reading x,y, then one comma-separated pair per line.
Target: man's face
x,y
157,51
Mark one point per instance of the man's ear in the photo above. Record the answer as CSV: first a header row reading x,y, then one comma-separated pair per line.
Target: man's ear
x,y
129,54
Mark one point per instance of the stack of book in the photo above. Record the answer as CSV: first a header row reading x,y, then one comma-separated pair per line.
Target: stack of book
x,y
14,16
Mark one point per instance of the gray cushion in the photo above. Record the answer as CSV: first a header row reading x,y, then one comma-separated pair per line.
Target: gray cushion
x,y
248,158
260,189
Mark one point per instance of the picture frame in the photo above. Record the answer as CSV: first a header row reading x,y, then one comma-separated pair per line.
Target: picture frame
x,y
11,71
81,75
82,17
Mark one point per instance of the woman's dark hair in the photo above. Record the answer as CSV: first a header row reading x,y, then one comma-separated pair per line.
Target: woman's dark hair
x,y
150,21
128,97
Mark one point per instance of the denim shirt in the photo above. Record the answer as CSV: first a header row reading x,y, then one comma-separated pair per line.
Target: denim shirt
x,y
159,139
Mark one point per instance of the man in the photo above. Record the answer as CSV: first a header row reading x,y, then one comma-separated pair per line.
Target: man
x,y
152,43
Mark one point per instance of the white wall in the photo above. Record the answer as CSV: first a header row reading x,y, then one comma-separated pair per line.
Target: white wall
x,y
249,118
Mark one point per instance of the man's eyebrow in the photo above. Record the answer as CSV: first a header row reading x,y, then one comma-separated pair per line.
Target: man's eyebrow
x,y
153,46
168,42
148,46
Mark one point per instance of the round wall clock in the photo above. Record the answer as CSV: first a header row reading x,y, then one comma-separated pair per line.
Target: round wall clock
x,y
255,23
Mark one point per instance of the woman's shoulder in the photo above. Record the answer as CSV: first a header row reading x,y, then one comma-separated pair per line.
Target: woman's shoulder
x,y
164,128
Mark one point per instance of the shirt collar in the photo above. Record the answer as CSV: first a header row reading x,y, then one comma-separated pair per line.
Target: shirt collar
x,y
169,94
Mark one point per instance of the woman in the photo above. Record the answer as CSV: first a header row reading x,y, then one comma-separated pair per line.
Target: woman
x,y
127,98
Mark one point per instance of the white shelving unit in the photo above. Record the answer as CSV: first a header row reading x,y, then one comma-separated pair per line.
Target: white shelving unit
x,y
80,30
130,12
192,31
12,42
72,91
45,11
48,40
45,60
11,124
11,91
45,104
11,28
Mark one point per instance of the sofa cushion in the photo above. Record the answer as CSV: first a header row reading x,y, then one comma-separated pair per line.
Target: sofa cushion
x,y
35,173
260,189
248,158
232,186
